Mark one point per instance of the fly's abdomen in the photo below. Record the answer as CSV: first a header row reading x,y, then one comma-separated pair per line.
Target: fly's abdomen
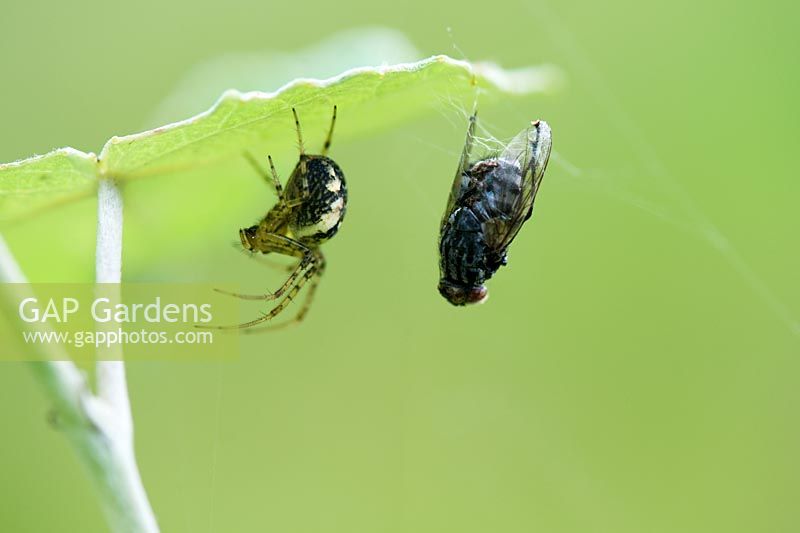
x,y
318,217
463,250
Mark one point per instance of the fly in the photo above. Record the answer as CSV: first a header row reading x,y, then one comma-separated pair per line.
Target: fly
x,y
489,202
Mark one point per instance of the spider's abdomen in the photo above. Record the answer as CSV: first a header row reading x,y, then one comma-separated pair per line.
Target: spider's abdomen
x,y
317,216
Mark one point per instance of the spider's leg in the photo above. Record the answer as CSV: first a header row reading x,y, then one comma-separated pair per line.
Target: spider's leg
x,y
304,194
275,265
271,180
301,268
313,276
283,245
287,299
312,288
329,138
275,180
302,165
299,133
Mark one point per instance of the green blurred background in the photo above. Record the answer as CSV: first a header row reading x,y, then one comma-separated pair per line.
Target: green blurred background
x,y
635,368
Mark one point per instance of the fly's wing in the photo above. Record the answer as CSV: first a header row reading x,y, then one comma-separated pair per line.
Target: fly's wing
x,y
540,141
529,152
463,165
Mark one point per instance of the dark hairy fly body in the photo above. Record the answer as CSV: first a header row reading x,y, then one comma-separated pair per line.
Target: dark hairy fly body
x,y
490,201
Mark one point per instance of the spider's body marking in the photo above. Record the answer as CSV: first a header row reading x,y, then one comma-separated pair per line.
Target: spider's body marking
x,y
309,211
318,218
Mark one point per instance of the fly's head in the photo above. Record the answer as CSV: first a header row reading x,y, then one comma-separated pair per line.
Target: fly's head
x,y
458,294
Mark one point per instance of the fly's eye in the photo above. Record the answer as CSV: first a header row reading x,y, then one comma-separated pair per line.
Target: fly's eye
x,y
477,295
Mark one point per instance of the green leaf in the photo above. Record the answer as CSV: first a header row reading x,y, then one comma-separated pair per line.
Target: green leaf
x,y
249,121
369,98
34,184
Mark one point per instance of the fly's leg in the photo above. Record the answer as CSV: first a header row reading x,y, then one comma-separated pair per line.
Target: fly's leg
x,y
329,138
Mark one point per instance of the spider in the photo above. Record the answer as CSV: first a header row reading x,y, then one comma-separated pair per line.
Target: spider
x,y
309,211
489,202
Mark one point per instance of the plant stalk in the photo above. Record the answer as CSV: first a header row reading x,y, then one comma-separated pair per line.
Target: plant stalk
x,y
100,427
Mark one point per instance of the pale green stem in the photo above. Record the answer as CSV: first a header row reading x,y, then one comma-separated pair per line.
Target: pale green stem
x,y
100,427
